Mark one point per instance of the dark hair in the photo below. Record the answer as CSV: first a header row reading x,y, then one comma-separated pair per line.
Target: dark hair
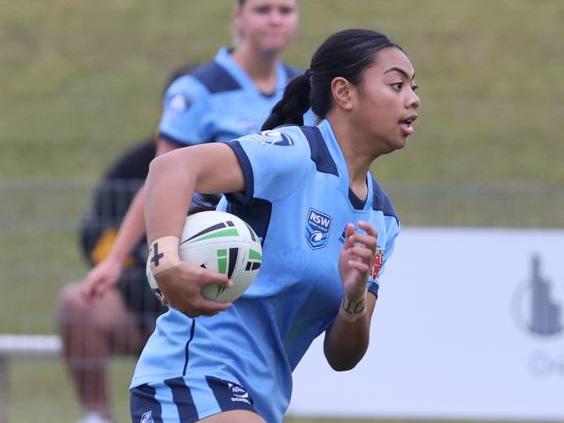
x,y
346,53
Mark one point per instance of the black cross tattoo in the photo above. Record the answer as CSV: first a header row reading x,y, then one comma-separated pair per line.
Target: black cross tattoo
x,y
156,255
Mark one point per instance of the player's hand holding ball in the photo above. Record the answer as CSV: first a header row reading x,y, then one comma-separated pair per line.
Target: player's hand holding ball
x,y
181,286
355,263
209,267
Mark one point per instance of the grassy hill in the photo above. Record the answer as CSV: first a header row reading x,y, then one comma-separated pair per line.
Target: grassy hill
x,y
80,80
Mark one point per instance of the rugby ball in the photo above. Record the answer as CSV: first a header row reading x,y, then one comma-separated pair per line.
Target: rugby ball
x,y
222,243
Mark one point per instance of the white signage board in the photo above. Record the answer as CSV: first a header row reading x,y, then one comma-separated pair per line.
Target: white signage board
x,y
469,324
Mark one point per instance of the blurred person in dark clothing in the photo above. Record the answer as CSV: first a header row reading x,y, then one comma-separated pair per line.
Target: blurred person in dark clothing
x,y
120,321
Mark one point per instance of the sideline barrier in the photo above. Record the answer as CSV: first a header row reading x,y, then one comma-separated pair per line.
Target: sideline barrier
x,y
18,346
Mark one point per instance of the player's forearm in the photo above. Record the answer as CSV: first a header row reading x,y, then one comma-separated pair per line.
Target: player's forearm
x,y
173,178
131,230
346,341
168,190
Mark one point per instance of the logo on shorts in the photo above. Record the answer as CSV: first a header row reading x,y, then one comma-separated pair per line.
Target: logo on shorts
x,y
317,228
147,417
238,393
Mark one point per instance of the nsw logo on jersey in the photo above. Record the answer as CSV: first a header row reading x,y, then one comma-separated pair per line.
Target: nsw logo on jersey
x,y
317,228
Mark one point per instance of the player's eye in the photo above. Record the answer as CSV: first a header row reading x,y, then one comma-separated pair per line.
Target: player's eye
x,y
415,87
397,86
263,10
285,10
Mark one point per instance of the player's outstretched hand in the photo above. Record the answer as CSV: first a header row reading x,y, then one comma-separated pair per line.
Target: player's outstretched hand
x,y
356,258
100,279
182,285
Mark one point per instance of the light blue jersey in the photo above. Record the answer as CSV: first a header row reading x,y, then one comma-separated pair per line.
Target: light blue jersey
x,y
218,101
297,199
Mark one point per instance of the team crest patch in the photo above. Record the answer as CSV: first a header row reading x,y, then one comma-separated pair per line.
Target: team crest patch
x,y
317,228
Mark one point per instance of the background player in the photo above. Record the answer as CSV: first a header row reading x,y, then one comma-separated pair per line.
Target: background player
x,y
327,228
226,98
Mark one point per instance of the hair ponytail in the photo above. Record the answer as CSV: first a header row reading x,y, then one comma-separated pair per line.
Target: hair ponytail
x,y
294,103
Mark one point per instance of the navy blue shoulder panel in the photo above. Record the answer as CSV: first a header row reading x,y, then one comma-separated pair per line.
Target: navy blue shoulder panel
x,y
319,152
381,201
291,72
215,78
257,213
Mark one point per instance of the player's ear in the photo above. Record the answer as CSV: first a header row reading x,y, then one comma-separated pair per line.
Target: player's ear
x,y
342,93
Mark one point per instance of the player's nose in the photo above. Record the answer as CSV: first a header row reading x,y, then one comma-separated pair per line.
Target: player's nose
x,y
275,17
413,101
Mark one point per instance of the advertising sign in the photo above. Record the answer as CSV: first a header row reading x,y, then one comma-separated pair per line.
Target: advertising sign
x,y
469,324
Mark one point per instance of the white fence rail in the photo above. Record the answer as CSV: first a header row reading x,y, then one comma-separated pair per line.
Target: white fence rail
x,y
22,346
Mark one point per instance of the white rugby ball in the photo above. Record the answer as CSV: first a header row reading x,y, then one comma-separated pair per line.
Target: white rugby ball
x,y
222,243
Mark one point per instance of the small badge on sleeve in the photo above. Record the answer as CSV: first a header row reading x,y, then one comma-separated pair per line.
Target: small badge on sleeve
x,y
179,103
377,264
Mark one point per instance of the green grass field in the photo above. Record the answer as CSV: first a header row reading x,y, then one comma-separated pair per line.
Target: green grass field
x,y
79,81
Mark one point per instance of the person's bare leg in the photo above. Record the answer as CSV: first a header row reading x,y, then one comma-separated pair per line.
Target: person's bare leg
x,y
91,333
234,416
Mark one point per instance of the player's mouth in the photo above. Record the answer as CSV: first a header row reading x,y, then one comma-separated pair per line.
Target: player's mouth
x,y
406,125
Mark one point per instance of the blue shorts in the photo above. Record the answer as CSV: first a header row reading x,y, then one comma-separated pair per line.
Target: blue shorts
x,y
173,401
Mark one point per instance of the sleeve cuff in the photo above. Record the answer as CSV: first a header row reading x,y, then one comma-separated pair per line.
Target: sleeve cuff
x,y
373,288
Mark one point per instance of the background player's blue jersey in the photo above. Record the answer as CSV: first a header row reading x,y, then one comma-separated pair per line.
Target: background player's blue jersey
x,y
297,199
218,101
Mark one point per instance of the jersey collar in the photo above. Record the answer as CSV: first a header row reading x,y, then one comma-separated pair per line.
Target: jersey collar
x,y
339,158
225,58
